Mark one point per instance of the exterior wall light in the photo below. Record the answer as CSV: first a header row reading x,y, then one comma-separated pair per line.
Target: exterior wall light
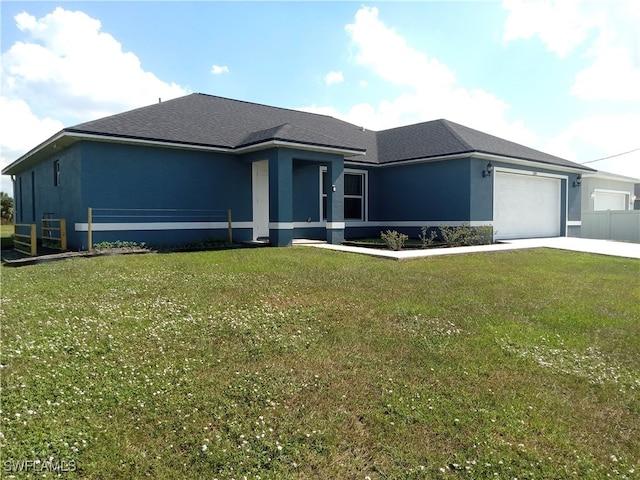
x,y
578,181
487,172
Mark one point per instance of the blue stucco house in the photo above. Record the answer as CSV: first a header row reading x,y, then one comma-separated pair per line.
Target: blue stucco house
x,y
166,173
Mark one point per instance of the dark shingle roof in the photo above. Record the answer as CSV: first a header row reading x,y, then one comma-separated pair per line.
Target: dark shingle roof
x,y
443,137
209,121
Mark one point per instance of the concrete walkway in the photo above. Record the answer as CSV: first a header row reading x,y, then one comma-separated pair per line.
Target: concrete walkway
x,y
601,247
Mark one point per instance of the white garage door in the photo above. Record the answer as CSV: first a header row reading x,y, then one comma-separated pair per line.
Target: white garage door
x,y
526,206
610,200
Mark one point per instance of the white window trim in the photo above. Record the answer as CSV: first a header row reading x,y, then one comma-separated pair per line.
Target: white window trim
x,y
365,193
628,196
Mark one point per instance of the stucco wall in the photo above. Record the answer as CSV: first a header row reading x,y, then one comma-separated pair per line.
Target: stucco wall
x,y
402,197
117,176
61,201
425,191
591,183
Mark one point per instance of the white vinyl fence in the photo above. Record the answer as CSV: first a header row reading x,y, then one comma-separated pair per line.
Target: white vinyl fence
x,y
620,225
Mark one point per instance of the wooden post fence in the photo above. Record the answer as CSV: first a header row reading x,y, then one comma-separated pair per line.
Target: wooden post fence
x,y
56,234
25,243
89,235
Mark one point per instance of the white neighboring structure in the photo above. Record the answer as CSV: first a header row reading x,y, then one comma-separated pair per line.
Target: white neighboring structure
x,y
607,203
607,191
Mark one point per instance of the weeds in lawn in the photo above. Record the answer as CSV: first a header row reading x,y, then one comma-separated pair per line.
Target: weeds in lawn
x,y
591,364
302,363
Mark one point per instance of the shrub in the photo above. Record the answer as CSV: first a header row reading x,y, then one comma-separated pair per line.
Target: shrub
x,y
393,239
466,235
484,235
455,236
427,240
119,244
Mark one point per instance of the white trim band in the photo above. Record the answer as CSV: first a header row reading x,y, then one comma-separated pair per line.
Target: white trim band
x,y
309,224
390,223
420,223
131,226
280,225
335,225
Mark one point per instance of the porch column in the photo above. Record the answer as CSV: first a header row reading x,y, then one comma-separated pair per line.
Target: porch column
x,y
335,201
281,200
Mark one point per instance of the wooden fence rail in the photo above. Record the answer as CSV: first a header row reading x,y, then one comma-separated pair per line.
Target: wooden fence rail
x,y
24,242
155,219
54,231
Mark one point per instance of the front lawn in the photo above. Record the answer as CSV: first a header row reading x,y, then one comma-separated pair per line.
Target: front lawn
x,y
305,363
6,236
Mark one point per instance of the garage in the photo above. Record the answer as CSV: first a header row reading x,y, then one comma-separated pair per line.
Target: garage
x,y
609,200
526,205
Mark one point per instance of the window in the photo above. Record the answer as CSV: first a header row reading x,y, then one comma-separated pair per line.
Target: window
x,y
354,194
20,199
33,196
56,173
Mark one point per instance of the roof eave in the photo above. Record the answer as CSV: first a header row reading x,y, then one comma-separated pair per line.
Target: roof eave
x,y
276,143
611,176
123,139
489,157
23,161
68,137
576,168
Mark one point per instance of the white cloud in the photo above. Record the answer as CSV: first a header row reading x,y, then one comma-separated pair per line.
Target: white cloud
x,y
609,32
561,24
612,76
600,136
20,127
388,55
615,71
333,78
219,69
21,131
68,67
430,88
67,70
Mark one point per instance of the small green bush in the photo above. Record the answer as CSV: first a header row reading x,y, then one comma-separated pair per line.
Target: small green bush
x,y
118,244
465,235
484,235
455,236
427,240
393,239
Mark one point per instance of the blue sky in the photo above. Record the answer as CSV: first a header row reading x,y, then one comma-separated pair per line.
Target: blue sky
x,y
563,77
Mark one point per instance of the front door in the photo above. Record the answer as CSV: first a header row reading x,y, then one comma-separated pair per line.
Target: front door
x,y
260,187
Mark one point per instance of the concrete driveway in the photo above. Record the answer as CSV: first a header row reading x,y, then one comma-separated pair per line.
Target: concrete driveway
x,y
587,245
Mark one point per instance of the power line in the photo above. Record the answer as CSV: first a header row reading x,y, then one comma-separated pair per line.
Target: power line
x,y
611,156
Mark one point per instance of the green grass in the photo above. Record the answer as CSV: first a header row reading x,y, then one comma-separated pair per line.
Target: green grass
x,y
6,236
304,363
